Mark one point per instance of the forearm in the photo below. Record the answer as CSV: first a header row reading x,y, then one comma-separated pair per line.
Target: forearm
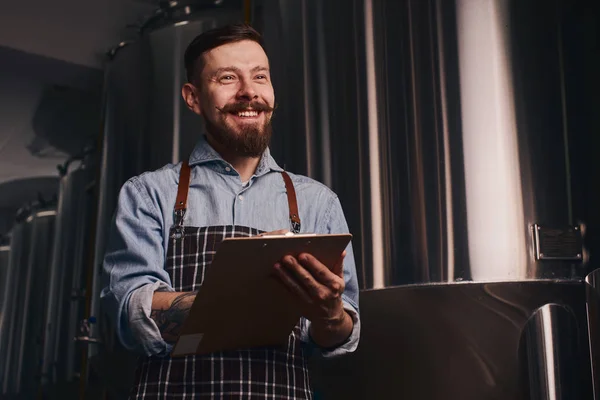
x,y
169,311
332,333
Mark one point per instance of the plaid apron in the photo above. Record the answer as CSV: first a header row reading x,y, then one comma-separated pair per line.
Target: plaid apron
x,y
264,372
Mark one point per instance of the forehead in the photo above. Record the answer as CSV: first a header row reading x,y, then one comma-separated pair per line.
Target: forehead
x,y
244,55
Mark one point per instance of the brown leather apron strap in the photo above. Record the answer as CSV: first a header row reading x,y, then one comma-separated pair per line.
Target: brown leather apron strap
x,y
184,186
182,193
293,203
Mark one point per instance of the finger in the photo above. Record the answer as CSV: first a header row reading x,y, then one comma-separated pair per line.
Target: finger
x,y
338,268
321,273
303,277
289,282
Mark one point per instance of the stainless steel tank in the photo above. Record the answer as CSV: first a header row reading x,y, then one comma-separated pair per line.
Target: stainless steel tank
x,y
31,252
5,277
4,259
20,236
64,308
146,124
455,134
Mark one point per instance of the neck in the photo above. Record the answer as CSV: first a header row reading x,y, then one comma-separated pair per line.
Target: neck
x,y
244,165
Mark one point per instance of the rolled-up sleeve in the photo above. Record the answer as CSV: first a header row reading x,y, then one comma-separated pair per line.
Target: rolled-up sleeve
x,y
134,265
335,222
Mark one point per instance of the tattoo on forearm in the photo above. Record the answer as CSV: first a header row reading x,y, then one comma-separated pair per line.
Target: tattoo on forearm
x,y
170,320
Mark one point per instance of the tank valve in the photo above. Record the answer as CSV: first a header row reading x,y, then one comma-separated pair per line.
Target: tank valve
x,y
84,332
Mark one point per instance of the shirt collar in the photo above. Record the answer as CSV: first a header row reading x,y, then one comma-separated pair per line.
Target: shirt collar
x,y
204,153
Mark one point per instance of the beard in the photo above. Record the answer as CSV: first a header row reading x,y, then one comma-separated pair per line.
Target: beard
x,y
248,140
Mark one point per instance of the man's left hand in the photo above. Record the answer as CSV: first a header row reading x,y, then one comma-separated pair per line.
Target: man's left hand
x,y
319,290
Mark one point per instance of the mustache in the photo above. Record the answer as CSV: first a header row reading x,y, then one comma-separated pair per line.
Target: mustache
x,y
245,106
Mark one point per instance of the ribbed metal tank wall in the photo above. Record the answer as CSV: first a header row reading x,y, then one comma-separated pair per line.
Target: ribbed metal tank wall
x,y
24,299
64,308
18,260
4,257
449,129
5,278
18,256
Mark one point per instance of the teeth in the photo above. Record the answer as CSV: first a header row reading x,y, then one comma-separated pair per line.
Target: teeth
x,y
248,114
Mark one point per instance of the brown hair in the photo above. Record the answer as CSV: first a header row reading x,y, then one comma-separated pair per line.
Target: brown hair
x,y
214,38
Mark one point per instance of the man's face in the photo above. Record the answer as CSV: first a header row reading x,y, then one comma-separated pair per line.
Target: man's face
x,y
235,97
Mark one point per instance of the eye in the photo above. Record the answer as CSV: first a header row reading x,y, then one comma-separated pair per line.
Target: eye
x,y
262,78
227,78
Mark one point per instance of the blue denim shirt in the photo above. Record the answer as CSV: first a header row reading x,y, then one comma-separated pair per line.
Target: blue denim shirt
x,y
134,262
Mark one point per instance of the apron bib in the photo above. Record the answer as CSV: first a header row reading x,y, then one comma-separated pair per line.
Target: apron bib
x,y
263,372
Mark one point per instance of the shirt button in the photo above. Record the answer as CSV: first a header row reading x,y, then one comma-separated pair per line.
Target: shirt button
x,y
241,197
227,169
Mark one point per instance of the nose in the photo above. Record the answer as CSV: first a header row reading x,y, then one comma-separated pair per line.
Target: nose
x,y
247,91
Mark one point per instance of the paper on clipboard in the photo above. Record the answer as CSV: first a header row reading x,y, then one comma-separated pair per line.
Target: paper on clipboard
x,y
240,303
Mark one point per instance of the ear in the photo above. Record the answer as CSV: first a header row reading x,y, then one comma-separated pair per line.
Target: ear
x,y
190,95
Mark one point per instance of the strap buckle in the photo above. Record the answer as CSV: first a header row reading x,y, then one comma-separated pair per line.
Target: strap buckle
x,y
178,223
296,227
179,217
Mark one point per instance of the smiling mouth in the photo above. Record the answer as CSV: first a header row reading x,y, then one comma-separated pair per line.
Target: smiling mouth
x,y
247,113
245,109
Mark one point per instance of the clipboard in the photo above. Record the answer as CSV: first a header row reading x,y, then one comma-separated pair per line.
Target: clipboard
x,y
241,304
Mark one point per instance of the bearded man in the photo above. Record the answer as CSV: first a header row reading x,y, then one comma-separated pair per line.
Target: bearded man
x,y
231,186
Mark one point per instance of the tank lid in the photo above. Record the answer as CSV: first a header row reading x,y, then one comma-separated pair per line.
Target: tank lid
x,y
177,11
172,13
